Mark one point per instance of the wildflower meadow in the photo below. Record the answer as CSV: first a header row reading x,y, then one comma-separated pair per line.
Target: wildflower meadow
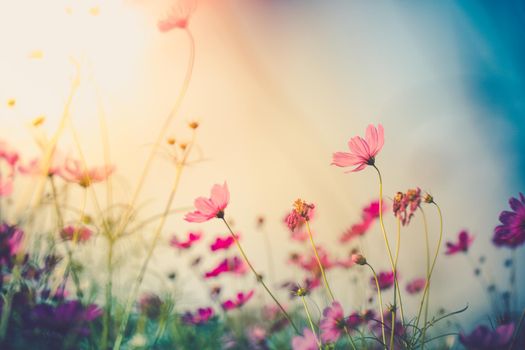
x,y
167,253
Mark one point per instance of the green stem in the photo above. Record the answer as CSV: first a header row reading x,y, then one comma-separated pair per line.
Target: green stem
x,y
310,321
258,277
380,302
517,331
109,293
319,261
6,309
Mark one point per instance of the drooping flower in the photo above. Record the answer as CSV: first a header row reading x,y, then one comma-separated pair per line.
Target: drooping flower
x,y
178,18
301,212
201,316
308,341
406,204
240,299
234,265
511,232
333,323
74,171
222,243
193,237
483,338
416,285
76,234
385,279
209,208
462,245
362,151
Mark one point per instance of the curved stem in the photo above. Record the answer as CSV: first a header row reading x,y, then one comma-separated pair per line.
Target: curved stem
x,y
258,277
380,302
310,321
319,261
396,286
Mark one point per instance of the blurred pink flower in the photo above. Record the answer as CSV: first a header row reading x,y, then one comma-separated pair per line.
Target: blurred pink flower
x,y
178,16
300,235
8,154
416,285
256,335
235,265
209,208
307,341
201,316
385,279
193,237
362,151
74,171
369,214
77,234
222,243
462,245
333,323
7,175
240,299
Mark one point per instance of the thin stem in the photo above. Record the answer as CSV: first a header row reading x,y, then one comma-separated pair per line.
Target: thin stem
x,y
319,261
513,284
517,331
380,302
396,286
258,277
109,293
8,303
350,338
310,321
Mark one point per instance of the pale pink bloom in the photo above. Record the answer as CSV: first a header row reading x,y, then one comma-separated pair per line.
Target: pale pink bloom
x,y
178,16
362,151
300,235
333,323
209,208
75,172
34,167
8,154
308,341
416,285
76,234
256,335
7,174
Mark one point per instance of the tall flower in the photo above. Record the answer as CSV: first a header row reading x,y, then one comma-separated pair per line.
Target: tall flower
x,y
511,232
307,341
463,243
362,151
209,208
333,323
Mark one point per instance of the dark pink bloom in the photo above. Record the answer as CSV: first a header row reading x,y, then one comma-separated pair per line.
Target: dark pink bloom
x,y
462,245
483,338
201,316
308,341
333,323
511,232
222,243
385,279
300,213
193,237
234,265
76,234
368,215
406,204
209,208
151,305
416,285
362,151
74,171
239,301
356,319
178,17
10,241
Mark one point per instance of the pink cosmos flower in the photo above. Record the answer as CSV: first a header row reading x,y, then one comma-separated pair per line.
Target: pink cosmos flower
x,y
300,213
8,154
511,232
308,341
76,234
362,151
235,265
193,237
209,208
201,316
310,263
222,243
368,215
240,299
333,323
416,285
178,17
462,245
75,172
356,319
406,204
385,279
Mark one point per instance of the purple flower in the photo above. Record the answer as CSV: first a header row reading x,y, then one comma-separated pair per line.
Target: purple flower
x,y
201,316
333,323
483,338
511,232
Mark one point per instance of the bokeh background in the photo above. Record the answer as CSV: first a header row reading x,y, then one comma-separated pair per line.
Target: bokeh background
x,y
277,87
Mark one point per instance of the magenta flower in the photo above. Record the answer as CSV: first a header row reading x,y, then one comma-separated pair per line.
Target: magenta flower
x,y
362,151
209,208
406,204
193,237
178,17
368,215
483,338
462,245
511,232
307,341
74,171
201,316
222,243
76,234
385,279
300,213
240,299
235,265
333,323
416,285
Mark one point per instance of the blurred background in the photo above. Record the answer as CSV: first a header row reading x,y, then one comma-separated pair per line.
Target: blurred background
x,y
277,87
